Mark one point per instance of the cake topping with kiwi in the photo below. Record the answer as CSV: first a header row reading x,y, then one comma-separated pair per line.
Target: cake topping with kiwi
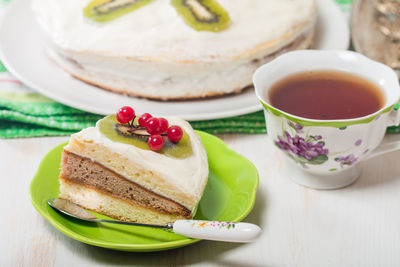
x,y
106,10
146,132
201,15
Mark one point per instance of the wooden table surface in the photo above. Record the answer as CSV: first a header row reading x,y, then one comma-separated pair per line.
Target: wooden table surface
x,y
355,226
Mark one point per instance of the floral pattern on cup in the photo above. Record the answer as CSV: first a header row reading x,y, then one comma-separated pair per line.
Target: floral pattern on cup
x,y
297,127
310,149
304,150
346,160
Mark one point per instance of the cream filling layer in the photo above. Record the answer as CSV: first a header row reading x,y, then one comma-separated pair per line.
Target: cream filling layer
x,y
113,207
182,180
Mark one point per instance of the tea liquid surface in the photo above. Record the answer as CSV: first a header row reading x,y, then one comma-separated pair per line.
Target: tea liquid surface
x,y
326,95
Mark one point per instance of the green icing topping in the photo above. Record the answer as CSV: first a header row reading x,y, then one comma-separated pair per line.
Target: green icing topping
x,y
180,150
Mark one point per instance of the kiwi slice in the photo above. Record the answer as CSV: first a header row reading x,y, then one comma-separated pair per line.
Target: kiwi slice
x,y
106,10
123,133
203,15
128,131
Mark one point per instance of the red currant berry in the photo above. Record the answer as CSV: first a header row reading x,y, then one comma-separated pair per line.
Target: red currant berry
x,y
143,119
125,114
174,133
155,142
153,126
163,125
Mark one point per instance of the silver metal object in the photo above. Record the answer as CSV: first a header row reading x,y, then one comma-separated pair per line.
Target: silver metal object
x,y
387,7
376,30
71,209
210,230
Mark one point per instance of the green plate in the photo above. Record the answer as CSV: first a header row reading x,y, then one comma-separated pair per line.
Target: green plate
x,y
229,196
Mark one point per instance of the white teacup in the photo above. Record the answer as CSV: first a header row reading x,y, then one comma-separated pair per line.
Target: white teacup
x,y
325,153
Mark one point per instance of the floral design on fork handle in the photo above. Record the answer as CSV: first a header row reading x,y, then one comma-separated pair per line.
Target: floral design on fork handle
x,y
214,224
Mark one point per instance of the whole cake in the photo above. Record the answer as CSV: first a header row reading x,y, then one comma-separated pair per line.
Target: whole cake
x,y
148,170
172,49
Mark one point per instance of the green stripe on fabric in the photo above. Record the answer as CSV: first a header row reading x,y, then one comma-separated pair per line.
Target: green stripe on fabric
x,y
344,2
35,104
16,130
393,130
2,68
65,123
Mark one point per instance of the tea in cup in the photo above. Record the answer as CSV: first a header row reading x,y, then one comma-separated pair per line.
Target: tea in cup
x,y
327,111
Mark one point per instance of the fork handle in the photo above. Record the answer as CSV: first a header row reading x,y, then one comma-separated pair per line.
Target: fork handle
x,y
218,231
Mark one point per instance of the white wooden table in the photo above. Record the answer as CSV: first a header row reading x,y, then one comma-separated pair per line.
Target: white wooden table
x,y
355,226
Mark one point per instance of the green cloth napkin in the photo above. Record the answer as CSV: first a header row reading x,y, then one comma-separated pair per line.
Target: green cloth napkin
x,y
24,113
28,114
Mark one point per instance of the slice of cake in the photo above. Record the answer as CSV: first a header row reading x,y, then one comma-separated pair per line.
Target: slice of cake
x,y
141,170
172,49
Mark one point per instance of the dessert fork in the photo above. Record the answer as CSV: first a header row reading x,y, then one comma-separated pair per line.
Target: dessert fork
x,y
209,230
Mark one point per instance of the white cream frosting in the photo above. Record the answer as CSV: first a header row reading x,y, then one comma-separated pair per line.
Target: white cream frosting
x,y
156,31
151,52
188,175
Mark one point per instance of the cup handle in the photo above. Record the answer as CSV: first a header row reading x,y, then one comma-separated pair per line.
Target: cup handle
x,y
385,147
391,145
394,116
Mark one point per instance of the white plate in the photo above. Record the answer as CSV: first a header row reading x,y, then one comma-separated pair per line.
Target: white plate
x,y
22,50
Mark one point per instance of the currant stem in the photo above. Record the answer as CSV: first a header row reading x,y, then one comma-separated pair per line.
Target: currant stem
x,y
131,122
